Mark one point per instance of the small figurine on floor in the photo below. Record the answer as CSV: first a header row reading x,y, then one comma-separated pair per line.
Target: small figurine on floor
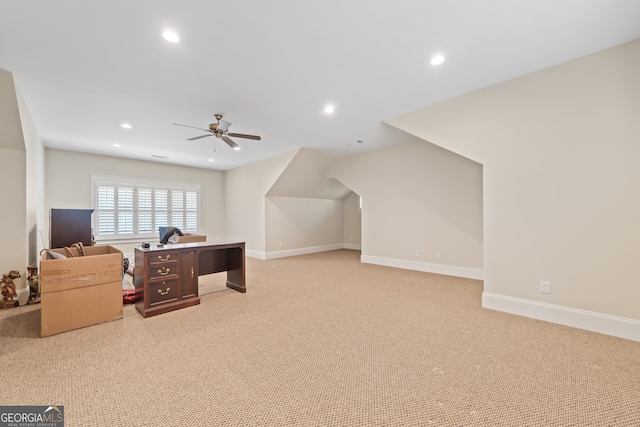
x,y
9,289
32,280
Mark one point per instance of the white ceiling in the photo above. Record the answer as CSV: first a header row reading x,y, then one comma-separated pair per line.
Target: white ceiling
x,y
84,67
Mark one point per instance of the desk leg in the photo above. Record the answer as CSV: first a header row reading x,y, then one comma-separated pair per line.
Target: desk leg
x,y
235,280
229,259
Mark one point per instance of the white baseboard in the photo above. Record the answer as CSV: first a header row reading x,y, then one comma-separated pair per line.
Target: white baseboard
x,y
353,246
23,295
294,252
591,321
449,270
303,251
255,254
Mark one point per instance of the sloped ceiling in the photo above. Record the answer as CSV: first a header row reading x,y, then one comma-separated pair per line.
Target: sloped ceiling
x,y
85,67
305,176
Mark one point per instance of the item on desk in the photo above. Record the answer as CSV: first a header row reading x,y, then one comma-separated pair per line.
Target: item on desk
x,y
145,245
169,235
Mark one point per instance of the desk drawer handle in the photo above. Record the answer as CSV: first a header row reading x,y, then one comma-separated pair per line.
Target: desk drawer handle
x,y
164,259
164,273
163,293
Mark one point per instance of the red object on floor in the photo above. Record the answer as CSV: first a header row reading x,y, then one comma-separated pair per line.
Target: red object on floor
x,y
129,296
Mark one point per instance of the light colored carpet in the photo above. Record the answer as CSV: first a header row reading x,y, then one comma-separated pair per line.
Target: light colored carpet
x,y
323,340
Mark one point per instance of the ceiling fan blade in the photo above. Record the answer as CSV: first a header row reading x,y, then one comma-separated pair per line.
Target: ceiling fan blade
x,y
230,142
198,137
187,126
243,135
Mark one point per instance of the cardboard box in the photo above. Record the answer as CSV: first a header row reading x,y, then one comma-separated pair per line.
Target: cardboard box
x,y
80,291
190,237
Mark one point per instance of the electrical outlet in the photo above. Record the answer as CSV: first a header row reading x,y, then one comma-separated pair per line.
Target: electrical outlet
x,y
417,252
545,287
438,254
280,244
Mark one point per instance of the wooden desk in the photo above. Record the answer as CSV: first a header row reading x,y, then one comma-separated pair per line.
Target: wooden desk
x,y
168,276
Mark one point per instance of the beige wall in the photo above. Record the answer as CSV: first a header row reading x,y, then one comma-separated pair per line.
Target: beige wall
x,y
245,189
68,180
304,208
285,205
14,249
560,150
303,223
35,184
13,188
352,233
418,196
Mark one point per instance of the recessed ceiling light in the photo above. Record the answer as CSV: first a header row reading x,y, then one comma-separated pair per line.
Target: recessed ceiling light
x,y
117,145
329,109
211,160
126,126
437,60
171,36
236,148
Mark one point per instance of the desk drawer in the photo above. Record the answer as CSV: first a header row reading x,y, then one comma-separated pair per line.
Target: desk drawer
x,y
165,269
163,291
162,257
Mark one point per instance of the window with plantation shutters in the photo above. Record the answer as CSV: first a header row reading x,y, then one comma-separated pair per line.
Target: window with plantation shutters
x,y
106,209
191,210
133,209
125,210
145,210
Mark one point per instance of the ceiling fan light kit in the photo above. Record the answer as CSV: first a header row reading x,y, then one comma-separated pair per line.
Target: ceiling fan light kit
x,y
220,129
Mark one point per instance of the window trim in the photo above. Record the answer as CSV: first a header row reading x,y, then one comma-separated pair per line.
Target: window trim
x,y
136,183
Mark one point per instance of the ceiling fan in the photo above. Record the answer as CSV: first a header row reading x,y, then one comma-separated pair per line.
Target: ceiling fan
x,y
221,130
